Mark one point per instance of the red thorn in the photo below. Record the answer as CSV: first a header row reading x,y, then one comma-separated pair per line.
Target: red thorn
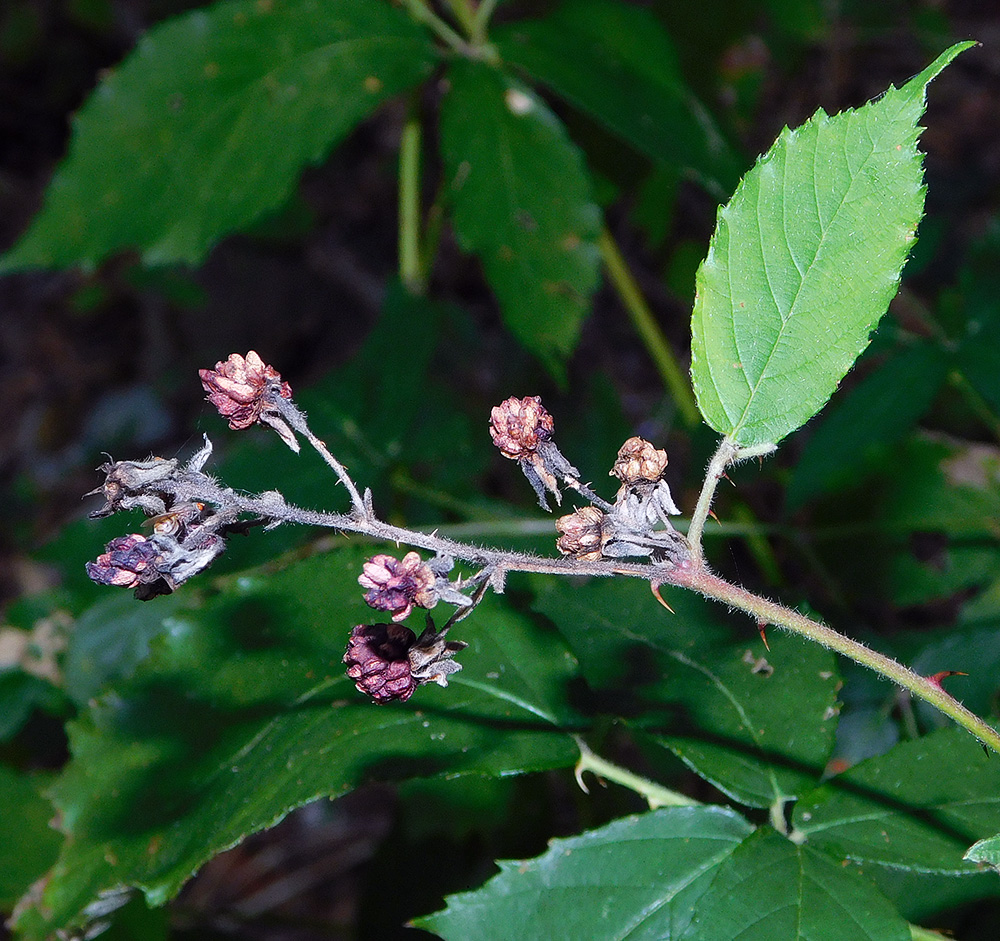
x,y
655,588
936,678
761,625
712,514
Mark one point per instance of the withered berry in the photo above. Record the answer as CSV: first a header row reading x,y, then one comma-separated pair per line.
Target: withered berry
x,y
639,460
127,562
582,534
397,585
378,661
239,388
517,426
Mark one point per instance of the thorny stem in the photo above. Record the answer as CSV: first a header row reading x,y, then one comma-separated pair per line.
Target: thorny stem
x,y
648,329
655,794
692,574
698,578
297,420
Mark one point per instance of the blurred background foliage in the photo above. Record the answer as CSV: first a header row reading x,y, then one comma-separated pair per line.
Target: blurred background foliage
x,y
882,514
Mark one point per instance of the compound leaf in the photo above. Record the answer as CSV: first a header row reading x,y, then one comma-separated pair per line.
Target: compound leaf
x,y
241,711
207,125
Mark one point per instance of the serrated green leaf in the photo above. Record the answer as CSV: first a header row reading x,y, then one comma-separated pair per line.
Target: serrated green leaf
x,y
631,83
762,738
639,877
242,712
759,725
864,425
206,126
917,807
28,843
804,261
769,889
521,202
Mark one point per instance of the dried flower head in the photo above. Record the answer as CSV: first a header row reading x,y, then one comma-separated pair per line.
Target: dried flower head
x,y
582,534
378,661
639,460
517,426
240,388
398,584
127,562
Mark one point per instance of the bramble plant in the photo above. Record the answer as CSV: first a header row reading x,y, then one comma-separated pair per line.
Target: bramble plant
x,y
234,701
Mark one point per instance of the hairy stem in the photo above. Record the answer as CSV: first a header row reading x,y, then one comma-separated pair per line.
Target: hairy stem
x,y
698,578
655,794
673,376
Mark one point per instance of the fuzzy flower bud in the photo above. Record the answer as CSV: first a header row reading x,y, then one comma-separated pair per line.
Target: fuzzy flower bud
x,y
517,426
397,585
639,460
582,534
378,661
239,388
127,562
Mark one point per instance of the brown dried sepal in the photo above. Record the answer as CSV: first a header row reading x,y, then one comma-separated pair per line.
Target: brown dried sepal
x,y
518,426
639,460
378,661
582,534
239,388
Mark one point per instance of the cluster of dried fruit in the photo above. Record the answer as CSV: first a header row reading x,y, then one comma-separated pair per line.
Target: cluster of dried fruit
x,y
191,515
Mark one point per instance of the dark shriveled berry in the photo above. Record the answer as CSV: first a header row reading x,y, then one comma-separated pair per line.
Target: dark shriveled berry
x,y
378,661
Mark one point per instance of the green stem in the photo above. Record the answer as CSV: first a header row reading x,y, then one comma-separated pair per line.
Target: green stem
x,y
975,401
674,377
410,268
482,20
729,452
655,794
698,578
422,13
716,468
464,12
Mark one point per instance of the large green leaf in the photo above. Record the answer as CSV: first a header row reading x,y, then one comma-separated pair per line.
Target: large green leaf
x,y
762,738
917,807
521,201
769,889
758,724
804,261
208,123
631,82
242,711
639,878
